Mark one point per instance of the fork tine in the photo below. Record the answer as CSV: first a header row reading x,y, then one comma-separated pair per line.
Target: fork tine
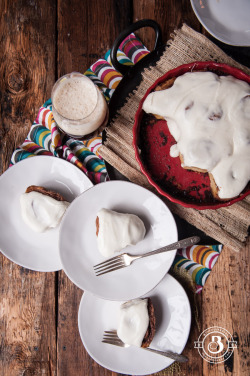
x,y
110,270
108,267
114,339
114,332
109,264
115,344
111,337
112,259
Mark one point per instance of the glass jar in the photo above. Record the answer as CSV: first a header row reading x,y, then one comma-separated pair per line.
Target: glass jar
x,y
79,108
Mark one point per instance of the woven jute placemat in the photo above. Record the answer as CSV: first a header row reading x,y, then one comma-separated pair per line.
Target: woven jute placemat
x,y
227,225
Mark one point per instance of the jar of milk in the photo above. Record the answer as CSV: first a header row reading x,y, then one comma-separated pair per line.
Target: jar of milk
x,y
79,108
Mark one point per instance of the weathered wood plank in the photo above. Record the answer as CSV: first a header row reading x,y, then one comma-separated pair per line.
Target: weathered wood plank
x,y
27,71
27,321
86,31
27,68
226,304
170,15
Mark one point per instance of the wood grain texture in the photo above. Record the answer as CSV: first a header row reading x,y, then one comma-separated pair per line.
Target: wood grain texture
x,y
226,304
170,15
69,341
27,30
40,41
87,30
27,322
27,73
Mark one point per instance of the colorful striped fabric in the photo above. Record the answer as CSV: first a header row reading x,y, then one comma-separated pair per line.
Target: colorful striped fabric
x,y
44,138
198,261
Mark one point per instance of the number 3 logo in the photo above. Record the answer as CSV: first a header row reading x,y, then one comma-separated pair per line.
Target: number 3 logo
x,y
213,346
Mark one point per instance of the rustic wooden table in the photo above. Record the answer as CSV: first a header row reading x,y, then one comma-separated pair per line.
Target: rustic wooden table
x,y
40,41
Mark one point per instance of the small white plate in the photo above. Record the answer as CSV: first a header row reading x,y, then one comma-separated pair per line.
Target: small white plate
x,y
35,251
173,320
78,244
227,20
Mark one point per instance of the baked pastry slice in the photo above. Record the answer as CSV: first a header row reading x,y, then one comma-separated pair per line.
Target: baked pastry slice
x,y
115,231
42,208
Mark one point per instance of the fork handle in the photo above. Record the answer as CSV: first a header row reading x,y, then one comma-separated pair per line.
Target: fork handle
x,y
169,354
180,244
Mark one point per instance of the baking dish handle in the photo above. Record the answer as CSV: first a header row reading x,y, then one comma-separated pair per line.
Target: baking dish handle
x,y
130,29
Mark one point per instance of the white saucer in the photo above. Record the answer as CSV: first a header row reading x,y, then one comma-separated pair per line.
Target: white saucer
x,y
78,244
173,320
227,20
35,251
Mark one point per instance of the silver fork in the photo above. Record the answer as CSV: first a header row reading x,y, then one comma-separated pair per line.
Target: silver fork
x,y
126,259
111,337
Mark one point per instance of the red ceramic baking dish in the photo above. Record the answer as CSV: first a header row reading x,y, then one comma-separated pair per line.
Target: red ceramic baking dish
x,y
152,141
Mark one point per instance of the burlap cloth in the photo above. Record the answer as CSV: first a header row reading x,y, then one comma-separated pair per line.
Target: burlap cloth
x,y
227,225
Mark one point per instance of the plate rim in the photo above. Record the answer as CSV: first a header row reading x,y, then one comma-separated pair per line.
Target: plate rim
x,y
213,33
167,275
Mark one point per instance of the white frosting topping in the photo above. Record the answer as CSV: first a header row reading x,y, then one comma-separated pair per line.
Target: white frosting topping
x,y
41,212
117,230
209,117
133,321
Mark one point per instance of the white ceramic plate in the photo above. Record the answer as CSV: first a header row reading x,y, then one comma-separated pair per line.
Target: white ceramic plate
x,y
35,251
173,320
227,20
78,245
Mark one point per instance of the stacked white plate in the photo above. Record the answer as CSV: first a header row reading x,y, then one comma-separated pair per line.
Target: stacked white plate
x,y
147,277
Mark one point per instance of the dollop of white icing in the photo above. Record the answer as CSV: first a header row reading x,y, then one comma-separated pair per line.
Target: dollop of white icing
x,y
41,212
118,230
209,117
133,321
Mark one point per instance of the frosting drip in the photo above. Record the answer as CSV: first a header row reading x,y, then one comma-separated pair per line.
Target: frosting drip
x,y
209,117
